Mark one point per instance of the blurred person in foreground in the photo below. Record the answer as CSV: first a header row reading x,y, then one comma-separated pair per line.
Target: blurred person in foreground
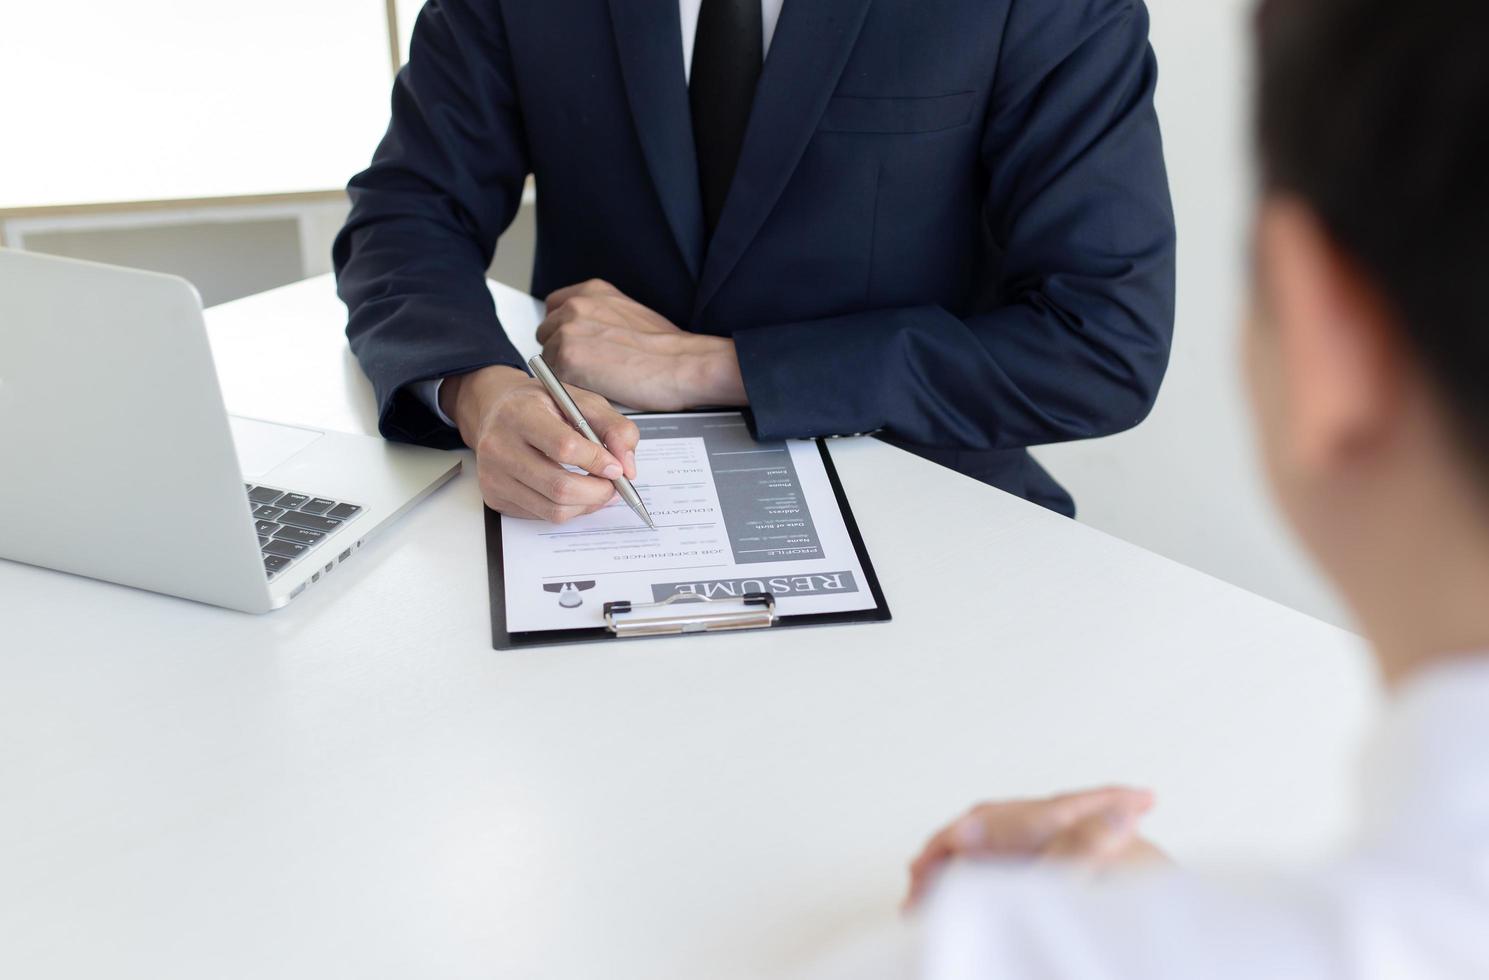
x,y
1366,355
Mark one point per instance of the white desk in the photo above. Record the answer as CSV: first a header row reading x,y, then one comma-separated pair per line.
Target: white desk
x,y
360,786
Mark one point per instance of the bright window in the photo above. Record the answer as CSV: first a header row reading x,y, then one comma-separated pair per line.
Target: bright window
x,y
130,100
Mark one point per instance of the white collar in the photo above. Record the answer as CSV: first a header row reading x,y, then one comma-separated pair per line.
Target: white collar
x,y
1427,767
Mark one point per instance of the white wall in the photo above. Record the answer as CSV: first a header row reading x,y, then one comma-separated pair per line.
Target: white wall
x,y
1186,483
226,250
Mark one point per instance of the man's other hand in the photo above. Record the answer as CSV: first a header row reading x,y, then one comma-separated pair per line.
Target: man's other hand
x,y
599,338
1095,829
521,439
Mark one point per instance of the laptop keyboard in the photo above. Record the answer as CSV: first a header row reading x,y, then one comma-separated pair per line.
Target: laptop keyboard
x,y
290,525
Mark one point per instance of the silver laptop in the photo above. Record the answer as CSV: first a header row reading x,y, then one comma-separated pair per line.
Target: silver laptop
x,y
119,462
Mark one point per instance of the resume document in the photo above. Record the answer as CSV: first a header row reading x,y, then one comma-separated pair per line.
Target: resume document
x,y
733,517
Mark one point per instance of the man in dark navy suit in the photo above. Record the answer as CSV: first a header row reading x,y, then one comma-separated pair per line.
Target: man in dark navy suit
x,y
946,221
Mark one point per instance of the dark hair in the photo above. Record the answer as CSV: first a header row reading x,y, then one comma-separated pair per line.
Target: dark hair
x,y
1375,113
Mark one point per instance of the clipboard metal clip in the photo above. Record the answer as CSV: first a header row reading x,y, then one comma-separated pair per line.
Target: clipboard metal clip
x,y
753,610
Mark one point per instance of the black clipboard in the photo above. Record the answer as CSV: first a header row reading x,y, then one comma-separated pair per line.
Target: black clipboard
x,y
501,639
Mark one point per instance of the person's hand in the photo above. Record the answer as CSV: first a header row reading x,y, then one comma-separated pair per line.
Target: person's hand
x,y
597,337
521,438
1103,841
1095,828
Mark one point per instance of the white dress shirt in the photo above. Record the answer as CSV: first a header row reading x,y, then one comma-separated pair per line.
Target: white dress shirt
x,y
1411,901
770,13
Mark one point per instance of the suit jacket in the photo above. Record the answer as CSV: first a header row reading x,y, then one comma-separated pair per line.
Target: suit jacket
x,y
950,220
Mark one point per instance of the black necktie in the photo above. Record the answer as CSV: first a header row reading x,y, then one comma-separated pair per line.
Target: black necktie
x,y
727,52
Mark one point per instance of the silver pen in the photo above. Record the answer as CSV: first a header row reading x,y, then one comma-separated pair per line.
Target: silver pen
x,y
560,394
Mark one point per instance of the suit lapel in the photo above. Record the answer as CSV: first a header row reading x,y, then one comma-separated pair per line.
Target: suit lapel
x,y
648,36
807,55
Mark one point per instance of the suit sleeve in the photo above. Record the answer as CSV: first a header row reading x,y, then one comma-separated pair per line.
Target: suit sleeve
x,y
444,183
1078,205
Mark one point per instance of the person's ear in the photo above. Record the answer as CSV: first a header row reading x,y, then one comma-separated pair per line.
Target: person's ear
x,y
1341,365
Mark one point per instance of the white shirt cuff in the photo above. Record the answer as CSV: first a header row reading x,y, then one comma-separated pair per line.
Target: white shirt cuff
x,y
428,393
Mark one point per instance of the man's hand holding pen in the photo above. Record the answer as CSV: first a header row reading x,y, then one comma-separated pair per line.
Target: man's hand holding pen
x,y
596,336
522,443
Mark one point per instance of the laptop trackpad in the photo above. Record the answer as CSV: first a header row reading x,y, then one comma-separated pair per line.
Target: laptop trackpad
x,y
264,445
